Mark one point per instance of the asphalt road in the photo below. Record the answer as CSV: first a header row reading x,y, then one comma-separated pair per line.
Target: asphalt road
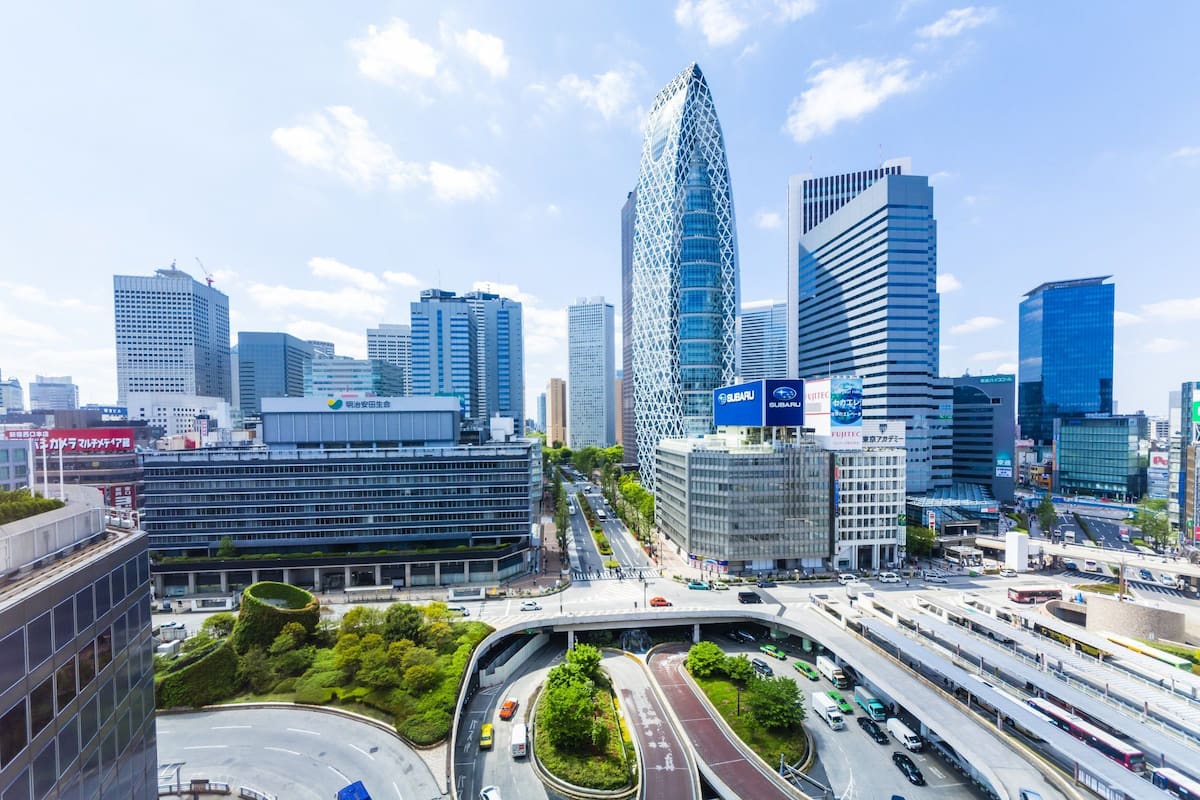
x,y
296,754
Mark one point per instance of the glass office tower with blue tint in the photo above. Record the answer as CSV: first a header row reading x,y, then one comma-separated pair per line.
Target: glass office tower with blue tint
x,y
1065,343
270,365
685,269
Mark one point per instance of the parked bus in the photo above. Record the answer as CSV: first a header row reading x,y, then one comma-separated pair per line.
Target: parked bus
x,y
1108,745
1034,595
601,514
1146,650
1176,783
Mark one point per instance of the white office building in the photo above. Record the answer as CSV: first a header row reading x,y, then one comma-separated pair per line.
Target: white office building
x,y
591,361
762,335
870,499
393,344
177,414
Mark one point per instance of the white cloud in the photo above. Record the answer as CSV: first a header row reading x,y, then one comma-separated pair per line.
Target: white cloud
x,y
391,54
1161,344
992,355
1178,310
715,19
970,199
452,184
768,220
345,343
17,330
1188,151
486,49
948,282
609,93
345,302
957,20
28,294
976,324
335,270
1009,367
341,142
553,210
510,290
942,175
846,92
792,10
1123,319
405,279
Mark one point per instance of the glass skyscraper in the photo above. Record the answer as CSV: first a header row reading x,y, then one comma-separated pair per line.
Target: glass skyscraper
x,y
393,344
1065,344
628,424
685,269
591,410
763,340
269,365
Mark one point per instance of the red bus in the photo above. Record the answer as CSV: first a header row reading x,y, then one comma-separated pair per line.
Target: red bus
x,y
1034,595
1124,754
1176,783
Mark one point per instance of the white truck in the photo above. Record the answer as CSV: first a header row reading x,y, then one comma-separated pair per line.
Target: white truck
x,y
832,672
904,734
824,707
520,740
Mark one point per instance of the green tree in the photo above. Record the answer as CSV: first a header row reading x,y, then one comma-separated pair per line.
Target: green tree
x,y
254,669
418,655
402,621
705,659
219,625
376,669
201,641
1046,515
1151,517
585,659
291,637
438,635
226,548
347,654
775,703
362,620
738,668
421,677
919,541
567,715
600,736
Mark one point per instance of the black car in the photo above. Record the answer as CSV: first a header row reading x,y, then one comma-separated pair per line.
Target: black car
x,y
909,769
872,730
749,597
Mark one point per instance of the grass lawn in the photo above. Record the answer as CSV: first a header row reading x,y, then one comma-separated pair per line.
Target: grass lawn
x,y
722,693
595,770
1099,588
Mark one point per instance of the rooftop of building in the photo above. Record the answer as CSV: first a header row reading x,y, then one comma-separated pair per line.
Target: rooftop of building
x,y
1068,284
964,494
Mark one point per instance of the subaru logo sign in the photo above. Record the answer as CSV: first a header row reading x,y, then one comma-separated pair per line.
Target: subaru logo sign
x,y
784,393
721,398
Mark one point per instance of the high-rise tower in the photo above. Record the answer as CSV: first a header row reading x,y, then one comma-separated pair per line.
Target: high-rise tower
x,y
393,344
763,340
591,411
628,420
172,336
685,269
270,365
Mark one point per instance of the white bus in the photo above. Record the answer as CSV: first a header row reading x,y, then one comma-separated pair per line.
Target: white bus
x,y
600,514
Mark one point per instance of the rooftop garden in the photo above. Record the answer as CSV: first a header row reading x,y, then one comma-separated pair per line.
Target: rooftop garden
x,y
21,504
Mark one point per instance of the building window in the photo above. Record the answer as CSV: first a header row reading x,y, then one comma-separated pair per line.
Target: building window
x,y
12,659
14,733
41,706
40,640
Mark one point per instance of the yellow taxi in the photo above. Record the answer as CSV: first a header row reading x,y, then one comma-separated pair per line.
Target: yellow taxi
x,y
485,736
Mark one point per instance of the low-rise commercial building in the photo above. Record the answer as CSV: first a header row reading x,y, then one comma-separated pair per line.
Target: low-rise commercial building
x,y
103,458
1098,455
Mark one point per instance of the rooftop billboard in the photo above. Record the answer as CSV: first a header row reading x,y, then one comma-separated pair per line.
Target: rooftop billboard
x,y
773,403
833,409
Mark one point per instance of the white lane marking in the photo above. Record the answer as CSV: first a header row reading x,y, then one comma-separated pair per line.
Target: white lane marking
x,y
937,772
207,747
230,727
301,730
364,752
282,750
397,788
339,773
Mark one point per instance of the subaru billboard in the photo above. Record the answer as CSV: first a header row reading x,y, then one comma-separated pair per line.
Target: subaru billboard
x,y
741,404
785,403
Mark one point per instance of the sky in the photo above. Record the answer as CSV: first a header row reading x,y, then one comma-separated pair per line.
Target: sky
x,y
325,162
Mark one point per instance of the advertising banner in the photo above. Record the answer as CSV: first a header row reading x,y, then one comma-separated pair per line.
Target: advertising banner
x,y
77,440
739,405
833,409
883,435
119,495
785,403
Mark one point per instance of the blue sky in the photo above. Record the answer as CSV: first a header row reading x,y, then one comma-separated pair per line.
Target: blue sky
x,y
326,163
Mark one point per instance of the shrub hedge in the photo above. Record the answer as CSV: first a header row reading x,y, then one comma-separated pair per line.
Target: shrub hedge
x,y
205,677
259,622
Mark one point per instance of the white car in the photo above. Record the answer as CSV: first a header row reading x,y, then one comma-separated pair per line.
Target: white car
x,y
530,605
931,578
459,610
889,577
1008,572
845,578
489,793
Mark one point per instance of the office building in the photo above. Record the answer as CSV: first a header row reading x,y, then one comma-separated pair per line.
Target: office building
x,y
1175,485
348,481
617,393
556,412
53,393
541,412
172,336
870,499
628,423
177,414
729,504
76,657
12,396
1098,455
985,432
591,405
443,342
322,349
332,377
1174,413
685,268
499,358
861,258
393,344
269,365
763,340
1065,348
14,464
1189,435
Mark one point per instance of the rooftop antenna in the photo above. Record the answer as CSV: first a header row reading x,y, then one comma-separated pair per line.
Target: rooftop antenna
x,y
881,154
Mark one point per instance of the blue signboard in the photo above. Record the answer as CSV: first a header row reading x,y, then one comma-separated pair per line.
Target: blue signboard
x,y
785,403
739,405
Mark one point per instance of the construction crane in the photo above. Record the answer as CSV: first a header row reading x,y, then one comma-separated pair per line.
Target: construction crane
x,y
207,275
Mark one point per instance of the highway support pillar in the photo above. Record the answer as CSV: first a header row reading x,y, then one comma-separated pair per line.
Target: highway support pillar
x,y
696,633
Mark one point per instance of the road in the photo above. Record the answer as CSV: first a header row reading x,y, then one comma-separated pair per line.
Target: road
x,y
297,754
667,771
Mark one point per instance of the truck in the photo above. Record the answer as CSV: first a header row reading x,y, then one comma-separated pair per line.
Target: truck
x,y
520,740
355,791
832,672
824,707
869,703
903,734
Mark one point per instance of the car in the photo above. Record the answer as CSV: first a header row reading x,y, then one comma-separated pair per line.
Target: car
x,y
846,577
842,703
1145,574
761,668
806,669
508,708
699,585
1069,564
935,579
909,769
773,651
461,610
1008,572
486,736
659,602
740,635
889,577
871,729
1168,580
531,605
489,793
719,586
749,597
765,583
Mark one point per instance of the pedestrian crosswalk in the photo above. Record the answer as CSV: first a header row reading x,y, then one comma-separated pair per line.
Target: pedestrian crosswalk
x,y
1132,583
625,573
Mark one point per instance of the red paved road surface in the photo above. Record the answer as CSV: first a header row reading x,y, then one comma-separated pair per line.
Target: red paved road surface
x,y
668,775
742,776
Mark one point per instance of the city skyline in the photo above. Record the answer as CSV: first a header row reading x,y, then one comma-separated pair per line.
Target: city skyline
x,y
325,209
